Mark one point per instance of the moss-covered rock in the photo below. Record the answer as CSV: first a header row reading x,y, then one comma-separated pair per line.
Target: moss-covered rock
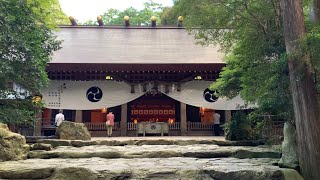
x,y
290,174
73,131
12,145
289,158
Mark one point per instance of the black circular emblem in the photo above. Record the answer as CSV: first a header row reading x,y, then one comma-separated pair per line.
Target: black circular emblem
x,y
153,127
209,96
94,94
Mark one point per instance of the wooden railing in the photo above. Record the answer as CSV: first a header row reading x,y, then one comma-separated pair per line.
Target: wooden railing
x,y
174,126
26,130
276,128
131,126
199,126
101,126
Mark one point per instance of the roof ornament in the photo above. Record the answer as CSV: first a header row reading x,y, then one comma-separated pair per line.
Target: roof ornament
x,y
180,21
126,20
100,22
73,21
153,21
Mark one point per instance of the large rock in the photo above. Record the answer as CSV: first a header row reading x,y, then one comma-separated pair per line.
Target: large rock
x,y
73,131
289,158
12,145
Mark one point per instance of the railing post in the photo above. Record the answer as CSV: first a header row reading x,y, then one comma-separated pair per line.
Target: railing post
x,y
227,115
78,118
124,120
183,116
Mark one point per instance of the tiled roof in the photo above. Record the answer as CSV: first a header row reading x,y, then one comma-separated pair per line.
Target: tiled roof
x,y
112,45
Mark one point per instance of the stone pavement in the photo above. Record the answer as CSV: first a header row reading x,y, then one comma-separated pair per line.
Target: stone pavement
x,y
149,158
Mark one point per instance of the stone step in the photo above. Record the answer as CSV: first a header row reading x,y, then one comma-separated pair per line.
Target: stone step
x,y
142,141
156,151
145,168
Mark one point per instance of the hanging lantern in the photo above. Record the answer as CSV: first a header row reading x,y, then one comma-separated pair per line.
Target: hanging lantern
x,y
171,121
109,77
104,110
135,121
202,110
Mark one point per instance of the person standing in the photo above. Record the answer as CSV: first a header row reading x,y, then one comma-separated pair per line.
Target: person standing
x,y
216,125
58,120
110,123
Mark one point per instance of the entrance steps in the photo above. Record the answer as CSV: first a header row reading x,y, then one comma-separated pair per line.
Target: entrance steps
x,y
156,151
149,158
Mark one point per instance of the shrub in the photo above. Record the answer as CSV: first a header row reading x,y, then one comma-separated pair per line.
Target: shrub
x,y
244,127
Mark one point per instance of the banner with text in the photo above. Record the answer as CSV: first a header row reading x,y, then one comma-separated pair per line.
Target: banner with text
x,y
87,95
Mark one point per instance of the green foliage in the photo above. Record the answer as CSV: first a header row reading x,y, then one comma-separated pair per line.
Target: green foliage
x,y
50,11
239,128
169,16
137,17
26,46
311,46
245,127
250,32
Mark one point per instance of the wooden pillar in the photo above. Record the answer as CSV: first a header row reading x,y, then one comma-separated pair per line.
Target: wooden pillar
x,y
227,115
183,119
78,118
124,119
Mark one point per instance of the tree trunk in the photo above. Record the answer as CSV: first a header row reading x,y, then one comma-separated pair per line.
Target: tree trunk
x,y
303,91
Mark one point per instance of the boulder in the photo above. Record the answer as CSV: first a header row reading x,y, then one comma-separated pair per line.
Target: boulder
x,y
73,131
289,158
12,145
41,146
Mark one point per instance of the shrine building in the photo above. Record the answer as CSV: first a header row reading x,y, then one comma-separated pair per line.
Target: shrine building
x,y
143,74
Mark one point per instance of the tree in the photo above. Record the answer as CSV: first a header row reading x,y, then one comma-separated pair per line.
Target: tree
x,y
261,55
150,9
169,16
138,18
26,46
306,107
50,11
251,35
111,17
